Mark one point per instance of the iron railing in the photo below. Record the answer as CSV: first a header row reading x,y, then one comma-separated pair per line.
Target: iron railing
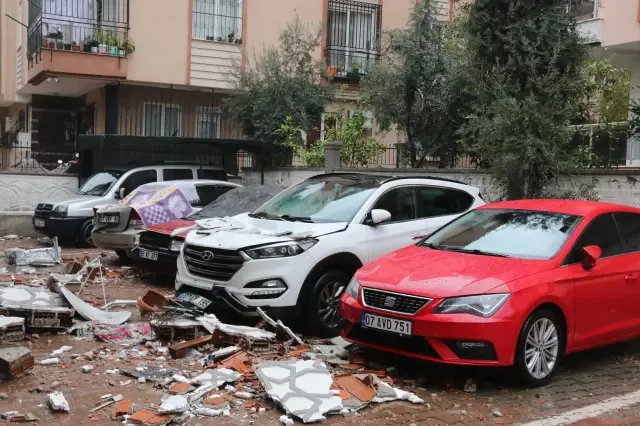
x,y
89,26
217,20
20,155
353,38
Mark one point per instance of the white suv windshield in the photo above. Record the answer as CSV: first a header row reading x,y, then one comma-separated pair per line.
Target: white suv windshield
x,y
99,183
334,199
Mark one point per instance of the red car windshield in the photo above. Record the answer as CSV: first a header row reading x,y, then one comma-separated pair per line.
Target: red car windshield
x,y
506,233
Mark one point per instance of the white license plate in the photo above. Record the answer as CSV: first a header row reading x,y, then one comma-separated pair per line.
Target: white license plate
x,y
391,325
108,219
149,255
39,223
199,301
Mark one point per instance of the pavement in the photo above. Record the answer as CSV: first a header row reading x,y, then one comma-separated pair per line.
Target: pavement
x,y
598,387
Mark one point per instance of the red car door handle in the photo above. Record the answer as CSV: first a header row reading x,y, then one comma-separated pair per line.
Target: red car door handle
x,y
631,277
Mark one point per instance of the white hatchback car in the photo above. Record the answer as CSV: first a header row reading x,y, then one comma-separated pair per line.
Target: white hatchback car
x,y
295,255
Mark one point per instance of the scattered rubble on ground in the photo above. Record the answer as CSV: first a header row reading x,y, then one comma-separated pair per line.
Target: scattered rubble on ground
x,y
204,367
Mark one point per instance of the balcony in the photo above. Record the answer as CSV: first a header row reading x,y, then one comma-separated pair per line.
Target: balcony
x,y
86,38
589,24
353,38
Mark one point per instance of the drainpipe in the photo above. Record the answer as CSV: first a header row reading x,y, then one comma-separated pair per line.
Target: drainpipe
x,y
451,10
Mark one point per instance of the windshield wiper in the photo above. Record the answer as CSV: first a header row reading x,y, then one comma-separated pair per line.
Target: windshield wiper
x,y
296,218
471,251
79,192
265,215
431,246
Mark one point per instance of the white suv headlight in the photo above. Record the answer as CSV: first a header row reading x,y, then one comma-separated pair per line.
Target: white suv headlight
x,y
62,209
353,288
484,305
281,249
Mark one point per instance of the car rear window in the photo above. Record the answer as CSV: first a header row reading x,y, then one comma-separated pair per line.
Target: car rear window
x,y
212,174
510,233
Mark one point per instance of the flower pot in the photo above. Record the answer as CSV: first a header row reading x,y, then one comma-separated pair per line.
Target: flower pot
x,y
75,47
113,50
331,71
122,52
50,45
86,48
102,49
67,46
93,49
353,74
59,45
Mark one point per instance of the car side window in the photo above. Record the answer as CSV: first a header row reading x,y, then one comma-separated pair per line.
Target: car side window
x,y
400,202
212,174
433,201
177,174
137,179
629,224
601,232
209,193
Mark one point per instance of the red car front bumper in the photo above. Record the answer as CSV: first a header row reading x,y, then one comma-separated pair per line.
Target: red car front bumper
x,y
446,338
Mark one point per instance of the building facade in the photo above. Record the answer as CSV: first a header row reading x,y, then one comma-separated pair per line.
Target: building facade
x,y
156,67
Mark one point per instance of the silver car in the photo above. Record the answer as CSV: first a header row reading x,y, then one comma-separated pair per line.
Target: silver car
x,y
116,227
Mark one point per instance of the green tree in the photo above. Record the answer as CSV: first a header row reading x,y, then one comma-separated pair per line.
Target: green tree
x,y
524,73
411,87
284,81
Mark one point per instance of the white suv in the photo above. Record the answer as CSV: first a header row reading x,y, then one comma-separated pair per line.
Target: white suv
x,y
295,255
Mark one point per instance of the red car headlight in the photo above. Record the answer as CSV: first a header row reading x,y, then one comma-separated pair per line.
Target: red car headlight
x,y
484,305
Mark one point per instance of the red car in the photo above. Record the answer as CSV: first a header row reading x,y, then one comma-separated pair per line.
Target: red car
x,y
517,283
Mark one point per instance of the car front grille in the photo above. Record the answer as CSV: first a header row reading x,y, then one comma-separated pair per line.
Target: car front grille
x,y
393,302
215,264
43,211
412,344
155,241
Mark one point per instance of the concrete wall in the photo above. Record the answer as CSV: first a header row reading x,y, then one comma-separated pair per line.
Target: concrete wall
x,y
616,186
20,193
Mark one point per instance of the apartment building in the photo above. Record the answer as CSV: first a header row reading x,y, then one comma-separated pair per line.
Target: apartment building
x,y
156,68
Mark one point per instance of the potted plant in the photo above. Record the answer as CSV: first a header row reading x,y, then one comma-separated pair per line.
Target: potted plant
x,y
112,45
355,70
99,40
59,45
219,39
75,47
238,41
67,46
50,44
331,71
230,37
128,46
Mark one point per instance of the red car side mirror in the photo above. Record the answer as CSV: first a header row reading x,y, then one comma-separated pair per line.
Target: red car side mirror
x,y
591,255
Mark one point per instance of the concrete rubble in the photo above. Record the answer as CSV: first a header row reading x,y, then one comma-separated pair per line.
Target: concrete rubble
x,y
203,367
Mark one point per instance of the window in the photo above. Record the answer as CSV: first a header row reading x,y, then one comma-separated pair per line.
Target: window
x,y
219,20
212,174
209,193
629,224
137,179
434,202
352,37
207,123
400,202
161,120
601,232
329,122
512,233
176,174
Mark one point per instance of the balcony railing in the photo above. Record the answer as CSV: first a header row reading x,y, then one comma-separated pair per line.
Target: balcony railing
x,y
353,38
89,26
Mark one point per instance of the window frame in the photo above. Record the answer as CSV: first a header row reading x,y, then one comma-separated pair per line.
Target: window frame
x,y
163,115
214,16
366,220
165,169
626,248
209,112
567,259
445,188
348,48
126,178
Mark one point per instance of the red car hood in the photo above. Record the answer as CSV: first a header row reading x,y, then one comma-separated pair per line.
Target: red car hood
x,y
437,274
168,228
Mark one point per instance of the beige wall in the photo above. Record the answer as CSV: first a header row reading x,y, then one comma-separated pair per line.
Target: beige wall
x,y
620,22
212,63
161,31
97,98
12,58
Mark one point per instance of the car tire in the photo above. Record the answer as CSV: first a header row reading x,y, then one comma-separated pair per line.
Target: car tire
x,y
540,348
323,318
85,233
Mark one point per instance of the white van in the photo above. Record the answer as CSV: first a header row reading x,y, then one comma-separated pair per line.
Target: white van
x,y
71,219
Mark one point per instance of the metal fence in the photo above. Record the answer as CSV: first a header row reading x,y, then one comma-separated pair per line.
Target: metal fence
x,y
89,26
217,20
353,38
19,155
598,147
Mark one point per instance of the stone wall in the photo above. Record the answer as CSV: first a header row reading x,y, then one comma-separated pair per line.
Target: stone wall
x,y
617,186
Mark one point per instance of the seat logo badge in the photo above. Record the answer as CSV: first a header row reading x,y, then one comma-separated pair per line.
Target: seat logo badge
x,y
389,302
207,255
